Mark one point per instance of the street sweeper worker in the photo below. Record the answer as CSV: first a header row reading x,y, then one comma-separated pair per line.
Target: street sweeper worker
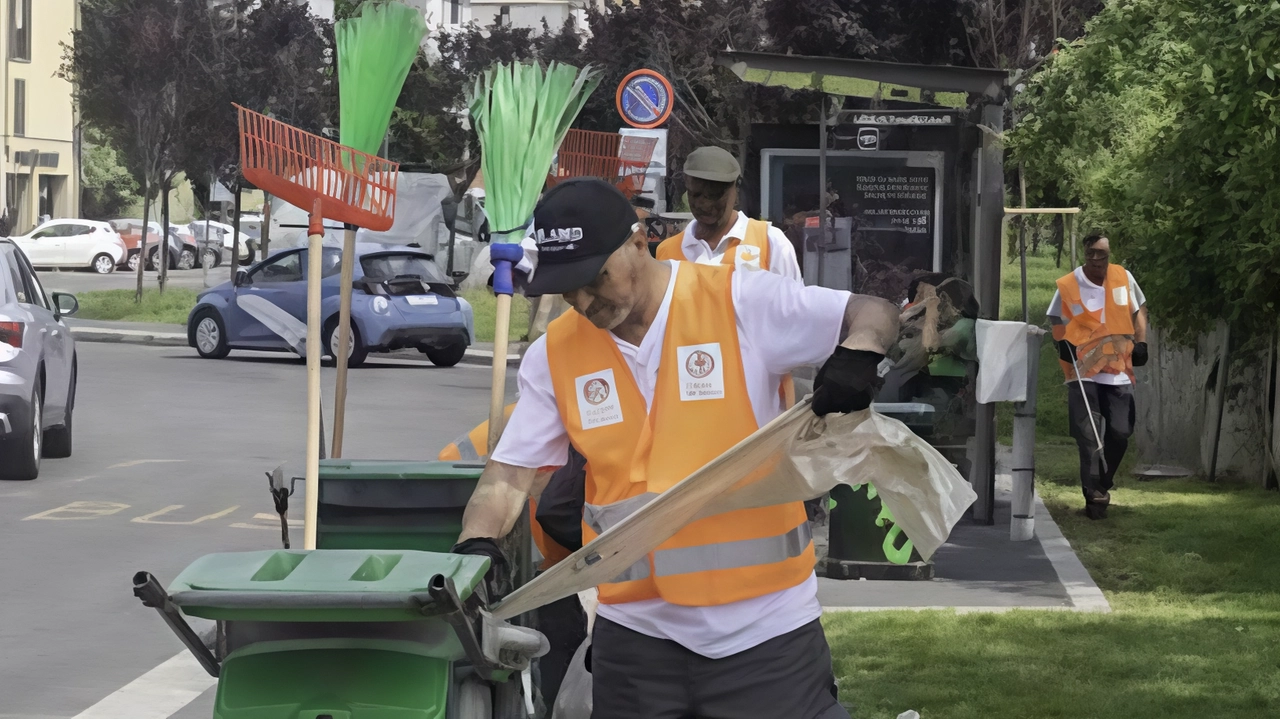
x,y
720,233
661,367
1099,319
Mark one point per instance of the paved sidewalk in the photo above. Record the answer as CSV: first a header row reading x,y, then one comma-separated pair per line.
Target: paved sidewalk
x,y
166,335
980,570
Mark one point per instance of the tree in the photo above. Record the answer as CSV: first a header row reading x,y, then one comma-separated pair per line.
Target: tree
x,y
1162,121
108,187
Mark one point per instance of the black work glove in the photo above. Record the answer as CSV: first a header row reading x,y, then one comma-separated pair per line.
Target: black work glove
x,y
1066,351
846,381
484,547
1140,354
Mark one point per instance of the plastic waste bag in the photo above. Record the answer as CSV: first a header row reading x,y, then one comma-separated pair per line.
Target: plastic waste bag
x,y
795,457
574,700
909,714
1002,362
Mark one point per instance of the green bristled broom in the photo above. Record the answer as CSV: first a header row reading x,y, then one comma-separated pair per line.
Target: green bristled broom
x,y
521,113
375,51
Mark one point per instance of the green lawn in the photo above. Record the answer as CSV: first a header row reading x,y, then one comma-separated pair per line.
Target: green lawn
x,y
172,307
1189,570
485,306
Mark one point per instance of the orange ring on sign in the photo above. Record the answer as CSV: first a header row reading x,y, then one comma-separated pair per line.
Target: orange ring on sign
x,y
662,114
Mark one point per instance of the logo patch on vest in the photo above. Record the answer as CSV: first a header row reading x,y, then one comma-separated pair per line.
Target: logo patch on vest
x,y
748,257
598,404
1120,295
701,373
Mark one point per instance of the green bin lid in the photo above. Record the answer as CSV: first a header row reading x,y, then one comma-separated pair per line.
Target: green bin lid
x,y
243,584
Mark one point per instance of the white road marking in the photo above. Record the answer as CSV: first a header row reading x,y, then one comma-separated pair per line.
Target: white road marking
x,y
137,462
151,518
158,694
80,510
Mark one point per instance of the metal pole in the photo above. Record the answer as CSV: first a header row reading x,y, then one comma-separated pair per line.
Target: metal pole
x,y
987,265
312,475
1022,524
1022,251
822,191
1073,242
344,338
1224,365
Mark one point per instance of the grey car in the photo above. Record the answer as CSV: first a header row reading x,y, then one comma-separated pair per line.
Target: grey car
x,y
37,368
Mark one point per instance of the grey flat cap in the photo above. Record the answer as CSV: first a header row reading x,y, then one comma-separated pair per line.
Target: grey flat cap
x,y
712,163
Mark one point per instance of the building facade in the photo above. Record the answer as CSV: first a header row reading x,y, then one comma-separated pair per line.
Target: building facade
x,y
41,159
446,14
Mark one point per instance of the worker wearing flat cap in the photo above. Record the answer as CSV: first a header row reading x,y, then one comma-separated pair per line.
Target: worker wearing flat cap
x,y
719,232
661,367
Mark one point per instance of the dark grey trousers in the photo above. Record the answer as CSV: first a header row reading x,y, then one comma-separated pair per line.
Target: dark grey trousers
x,y
635,676
1115,405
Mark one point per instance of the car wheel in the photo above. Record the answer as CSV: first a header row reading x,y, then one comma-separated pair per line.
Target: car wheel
x,y
132,264
153,261
210,258
356,353
103,264
20,452
446,356
186,260
57,440
210,334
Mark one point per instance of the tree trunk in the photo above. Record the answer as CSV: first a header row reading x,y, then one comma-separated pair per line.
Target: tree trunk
x,y
162,273
146,227
235,233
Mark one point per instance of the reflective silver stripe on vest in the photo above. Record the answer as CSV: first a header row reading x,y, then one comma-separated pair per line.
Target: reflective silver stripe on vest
x,y
600,517
639,570
733,555
466,450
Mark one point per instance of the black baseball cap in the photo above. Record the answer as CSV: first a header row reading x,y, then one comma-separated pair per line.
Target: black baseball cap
x,y
577,225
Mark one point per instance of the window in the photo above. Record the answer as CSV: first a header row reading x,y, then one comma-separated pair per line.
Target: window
x,y
287,268
20,30
398,265
34,289
15,276
455,12
55,231
20,108
330,262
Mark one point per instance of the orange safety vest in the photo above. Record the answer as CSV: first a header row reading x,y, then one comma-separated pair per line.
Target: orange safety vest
x,y
751,251
474,446
700,409
1101,347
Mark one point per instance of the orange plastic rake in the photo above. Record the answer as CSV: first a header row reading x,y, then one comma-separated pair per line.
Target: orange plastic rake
x,y
353,187
334,182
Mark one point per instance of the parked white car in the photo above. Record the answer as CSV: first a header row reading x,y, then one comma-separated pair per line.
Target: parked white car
x,y
73,243
248,245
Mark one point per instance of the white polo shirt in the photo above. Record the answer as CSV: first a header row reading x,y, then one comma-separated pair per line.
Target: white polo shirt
x,y
781,325
782,255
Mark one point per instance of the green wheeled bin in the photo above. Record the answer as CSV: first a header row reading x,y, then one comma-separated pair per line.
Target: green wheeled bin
x,y
345,634
393,504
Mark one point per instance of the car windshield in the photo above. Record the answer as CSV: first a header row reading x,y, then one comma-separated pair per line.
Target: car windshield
x,y
395,264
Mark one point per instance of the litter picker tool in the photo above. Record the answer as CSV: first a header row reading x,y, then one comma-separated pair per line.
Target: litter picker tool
x,y
1095,418
521,113
375,51
337,183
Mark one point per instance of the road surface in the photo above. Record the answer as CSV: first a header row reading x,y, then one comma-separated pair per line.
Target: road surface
x,y
169,463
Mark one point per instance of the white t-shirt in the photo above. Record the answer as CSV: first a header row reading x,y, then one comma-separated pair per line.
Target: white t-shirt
x,y
781,325
782,255
1094,298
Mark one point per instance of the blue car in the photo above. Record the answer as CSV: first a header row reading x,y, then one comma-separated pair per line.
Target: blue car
x,y
400,300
